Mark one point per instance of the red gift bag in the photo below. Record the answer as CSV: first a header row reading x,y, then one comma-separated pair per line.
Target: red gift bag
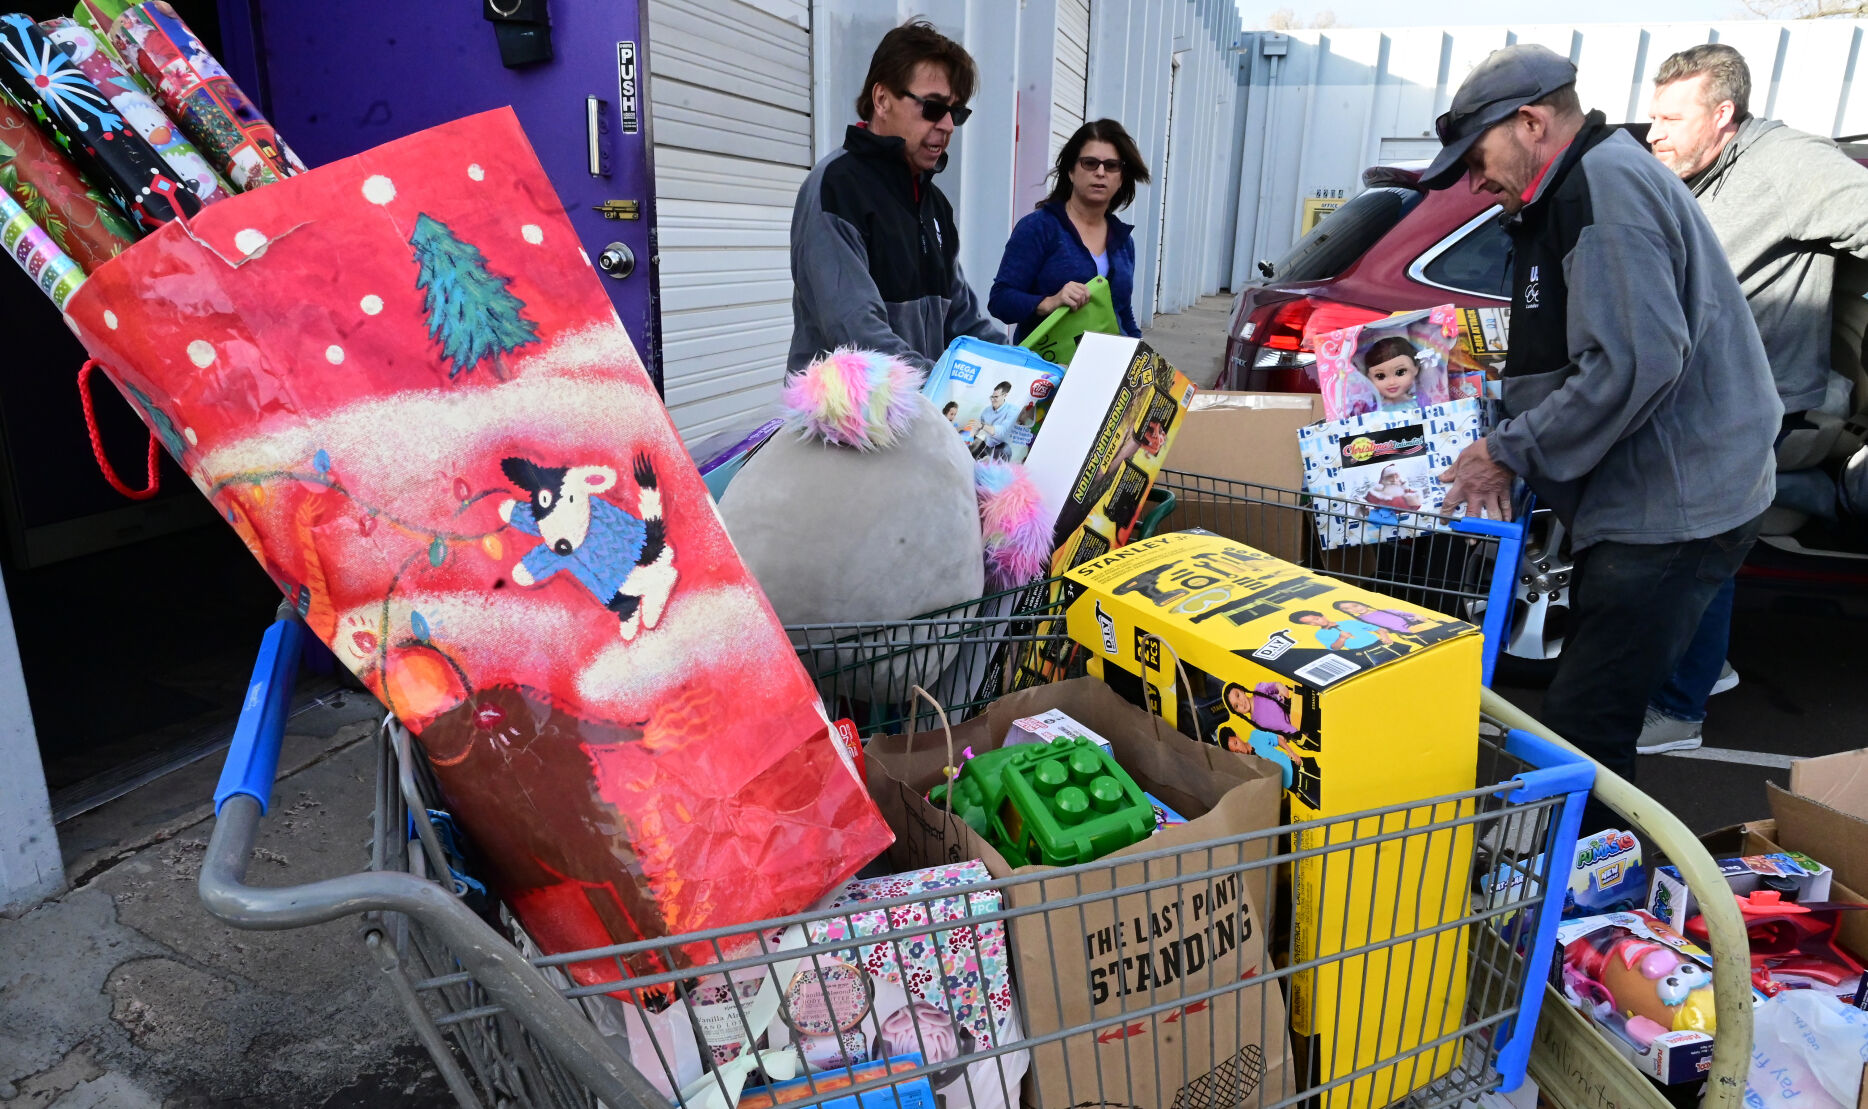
x,y
399,381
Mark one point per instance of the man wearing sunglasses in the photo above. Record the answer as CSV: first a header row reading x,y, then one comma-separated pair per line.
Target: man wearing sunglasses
x,y
874,248
1639,402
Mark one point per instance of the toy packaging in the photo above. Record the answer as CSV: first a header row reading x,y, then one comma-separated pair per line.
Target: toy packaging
x,y
1647,987
1479,356
1107,439
945,994
1047,727
1389,462
1329,683
1607,876
1397,364
912,1094
1792,873
995,396
399,382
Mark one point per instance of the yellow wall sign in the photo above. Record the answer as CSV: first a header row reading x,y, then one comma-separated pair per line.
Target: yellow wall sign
x,y
1315,208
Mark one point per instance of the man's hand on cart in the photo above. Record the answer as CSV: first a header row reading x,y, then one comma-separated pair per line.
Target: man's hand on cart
x,y
1479,482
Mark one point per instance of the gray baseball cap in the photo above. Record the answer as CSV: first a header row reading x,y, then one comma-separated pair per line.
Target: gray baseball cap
x,y
1505,81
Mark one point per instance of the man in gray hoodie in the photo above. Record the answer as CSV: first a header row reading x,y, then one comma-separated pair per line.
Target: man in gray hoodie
x,y
1785,205
1639,403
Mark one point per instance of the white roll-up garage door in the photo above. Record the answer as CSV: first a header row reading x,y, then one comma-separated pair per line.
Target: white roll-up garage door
x,y
730,98
1069,72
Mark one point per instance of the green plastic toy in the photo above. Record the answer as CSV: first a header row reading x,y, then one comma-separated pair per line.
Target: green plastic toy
x,y
1057,803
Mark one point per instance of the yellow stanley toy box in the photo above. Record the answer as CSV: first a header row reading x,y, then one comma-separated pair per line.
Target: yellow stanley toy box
x,y
1362,702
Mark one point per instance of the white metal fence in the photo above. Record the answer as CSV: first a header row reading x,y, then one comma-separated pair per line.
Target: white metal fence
x,y
1324,105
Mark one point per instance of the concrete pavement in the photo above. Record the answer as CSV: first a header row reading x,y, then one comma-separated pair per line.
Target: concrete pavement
x,y
125,994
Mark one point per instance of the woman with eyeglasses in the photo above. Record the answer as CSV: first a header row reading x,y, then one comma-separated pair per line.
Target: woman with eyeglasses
x,y
1074,235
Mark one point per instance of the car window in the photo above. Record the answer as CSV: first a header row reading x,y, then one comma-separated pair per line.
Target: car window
x,y
1344,235
1478,261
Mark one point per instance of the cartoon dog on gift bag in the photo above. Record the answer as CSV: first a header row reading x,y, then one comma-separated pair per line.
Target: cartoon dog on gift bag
x,y
623,560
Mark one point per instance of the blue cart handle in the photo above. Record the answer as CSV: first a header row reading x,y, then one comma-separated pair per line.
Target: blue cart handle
x,y
253,759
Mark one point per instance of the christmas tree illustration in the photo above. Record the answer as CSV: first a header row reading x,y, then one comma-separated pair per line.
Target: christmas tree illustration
x,y
470,312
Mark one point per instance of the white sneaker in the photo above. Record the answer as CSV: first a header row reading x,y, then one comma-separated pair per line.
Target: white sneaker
x,y
1661,733
1728,679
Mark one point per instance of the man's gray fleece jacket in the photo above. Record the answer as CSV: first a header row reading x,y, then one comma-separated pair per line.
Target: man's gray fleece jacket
x,y
1641,407
1785,203
875,259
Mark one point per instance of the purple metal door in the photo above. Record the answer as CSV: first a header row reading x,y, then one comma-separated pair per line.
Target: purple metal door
x,y
340,76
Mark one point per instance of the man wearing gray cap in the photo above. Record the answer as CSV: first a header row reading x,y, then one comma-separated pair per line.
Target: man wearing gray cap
x,y
1640,405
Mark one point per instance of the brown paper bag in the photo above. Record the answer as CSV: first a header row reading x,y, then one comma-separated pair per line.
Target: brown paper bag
x,y
1160,965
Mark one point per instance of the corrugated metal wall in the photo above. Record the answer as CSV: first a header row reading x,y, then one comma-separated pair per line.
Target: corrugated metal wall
x,y
1325,105
1070,67
996,167
1184,122
730,102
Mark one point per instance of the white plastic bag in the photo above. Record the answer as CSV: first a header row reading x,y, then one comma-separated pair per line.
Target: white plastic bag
x,y
1807,1051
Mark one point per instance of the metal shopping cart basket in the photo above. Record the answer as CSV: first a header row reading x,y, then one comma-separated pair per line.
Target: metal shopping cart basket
x,y
1458,565
508,1029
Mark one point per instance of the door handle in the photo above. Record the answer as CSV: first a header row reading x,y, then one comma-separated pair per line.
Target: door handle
x,y
596,137
617,261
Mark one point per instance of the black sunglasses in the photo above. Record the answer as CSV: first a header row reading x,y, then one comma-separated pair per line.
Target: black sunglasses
x,y
1111,165
935,110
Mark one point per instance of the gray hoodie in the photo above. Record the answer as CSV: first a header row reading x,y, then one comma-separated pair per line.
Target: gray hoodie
x,y
1784,203
1640,402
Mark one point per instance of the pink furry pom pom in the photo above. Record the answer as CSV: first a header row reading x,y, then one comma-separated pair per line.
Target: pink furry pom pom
x,y
854,398
1012,523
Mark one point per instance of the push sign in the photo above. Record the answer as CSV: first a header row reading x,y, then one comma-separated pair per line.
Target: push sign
x,y
626,87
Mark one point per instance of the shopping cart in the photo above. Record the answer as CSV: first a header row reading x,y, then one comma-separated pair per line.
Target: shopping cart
x,y
1462,566
505,1028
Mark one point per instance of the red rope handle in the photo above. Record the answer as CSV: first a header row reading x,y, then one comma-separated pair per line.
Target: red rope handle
x,y
154,480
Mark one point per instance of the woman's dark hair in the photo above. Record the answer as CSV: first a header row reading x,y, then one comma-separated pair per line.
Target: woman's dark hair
x,y
1394,346
893,64
1134,171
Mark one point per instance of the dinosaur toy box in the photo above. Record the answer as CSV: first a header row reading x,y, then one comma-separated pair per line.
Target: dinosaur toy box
x,y
1361,702
399,381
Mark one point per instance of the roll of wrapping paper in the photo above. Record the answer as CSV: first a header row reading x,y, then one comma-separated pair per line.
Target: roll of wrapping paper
x,y
96,16
135,106
34,172
29,244
41,77
200,96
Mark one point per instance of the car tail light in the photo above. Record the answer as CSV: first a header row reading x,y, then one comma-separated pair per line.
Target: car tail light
x,y
1271,355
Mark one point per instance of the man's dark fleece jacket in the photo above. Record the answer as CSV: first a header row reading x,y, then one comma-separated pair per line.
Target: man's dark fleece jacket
x,y
1641,406
875,259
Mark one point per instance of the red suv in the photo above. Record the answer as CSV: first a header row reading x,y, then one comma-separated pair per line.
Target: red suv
x,y
1390,249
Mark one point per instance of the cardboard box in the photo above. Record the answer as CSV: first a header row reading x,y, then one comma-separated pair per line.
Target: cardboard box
x,y
1824,814
968,376
1108,434
1357,716
1115,953
1766,837
1229,441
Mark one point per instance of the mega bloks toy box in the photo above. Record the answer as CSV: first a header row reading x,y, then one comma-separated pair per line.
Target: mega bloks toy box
x,y
1362,702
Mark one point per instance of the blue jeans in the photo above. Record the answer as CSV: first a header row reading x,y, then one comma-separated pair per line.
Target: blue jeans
x,y
1687,690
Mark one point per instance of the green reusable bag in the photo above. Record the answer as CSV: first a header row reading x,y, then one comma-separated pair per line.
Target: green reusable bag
x,y
1055,340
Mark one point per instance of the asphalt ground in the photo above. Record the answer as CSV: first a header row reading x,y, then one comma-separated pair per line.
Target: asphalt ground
x,y
1802,692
